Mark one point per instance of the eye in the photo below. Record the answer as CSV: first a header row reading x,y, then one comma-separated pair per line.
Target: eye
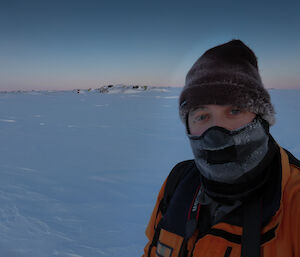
x,y
200,117
235,111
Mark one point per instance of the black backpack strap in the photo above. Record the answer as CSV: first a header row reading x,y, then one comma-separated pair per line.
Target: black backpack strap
x,y
176,175
252,211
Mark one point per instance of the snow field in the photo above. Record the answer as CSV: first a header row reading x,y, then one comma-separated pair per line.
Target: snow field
x,y
79,173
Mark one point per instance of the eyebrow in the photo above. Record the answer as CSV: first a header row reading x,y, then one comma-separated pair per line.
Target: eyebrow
x,y
199,108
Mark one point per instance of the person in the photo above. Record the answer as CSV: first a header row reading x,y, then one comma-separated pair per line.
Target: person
x,y
240,195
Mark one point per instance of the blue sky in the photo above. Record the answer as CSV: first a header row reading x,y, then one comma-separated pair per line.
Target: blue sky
x,y
82,44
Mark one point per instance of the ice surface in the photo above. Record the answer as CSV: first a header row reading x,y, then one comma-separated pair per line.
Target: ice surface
x,y
79,173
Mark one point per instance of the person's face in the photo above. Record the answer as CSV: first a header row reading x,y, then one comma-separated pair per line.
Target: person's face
x,y
226,116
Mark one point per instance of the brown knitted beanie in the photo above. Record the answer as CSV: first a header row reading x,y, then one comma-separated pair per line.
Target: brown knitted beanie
x,y
226,75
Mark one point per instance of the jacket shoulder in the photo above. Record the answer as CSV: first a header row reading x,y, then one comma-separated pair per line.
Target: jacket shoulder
x,y
292,159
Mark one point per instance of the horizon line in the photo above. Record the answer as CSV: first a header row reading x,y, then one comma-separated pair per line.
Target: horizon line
x,y
114,85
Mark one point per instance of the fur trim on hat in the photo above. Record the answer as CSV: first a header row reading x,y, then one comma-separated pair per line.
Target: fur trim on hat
x,y
226,75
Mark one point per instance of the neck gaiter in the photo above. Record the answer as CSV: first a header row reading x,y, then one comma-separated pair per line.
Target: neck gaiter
x,y
228,156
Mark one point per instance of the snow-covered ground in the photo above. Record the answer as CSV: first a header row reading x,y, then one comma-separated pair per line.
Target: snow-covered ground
x,y
79,173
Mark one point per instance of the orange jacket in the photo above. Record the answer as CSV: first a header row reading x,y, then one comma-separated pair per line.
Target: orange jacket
x,y
280,237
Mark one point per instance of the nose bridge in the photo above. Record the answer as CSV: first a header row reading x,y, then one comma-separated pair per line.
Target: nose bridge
x,y
218,119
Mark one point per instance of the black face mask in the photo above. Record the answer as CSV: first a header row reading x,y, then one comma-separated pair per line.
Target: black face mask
x,y
229,156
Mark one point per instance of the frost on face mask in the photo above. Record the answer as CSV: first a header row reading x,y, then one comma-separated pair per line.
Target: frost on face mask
x,y
228,156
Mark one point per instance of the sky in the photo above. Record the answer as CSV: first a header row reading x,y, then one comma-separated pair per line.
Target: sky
x,y
57,45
